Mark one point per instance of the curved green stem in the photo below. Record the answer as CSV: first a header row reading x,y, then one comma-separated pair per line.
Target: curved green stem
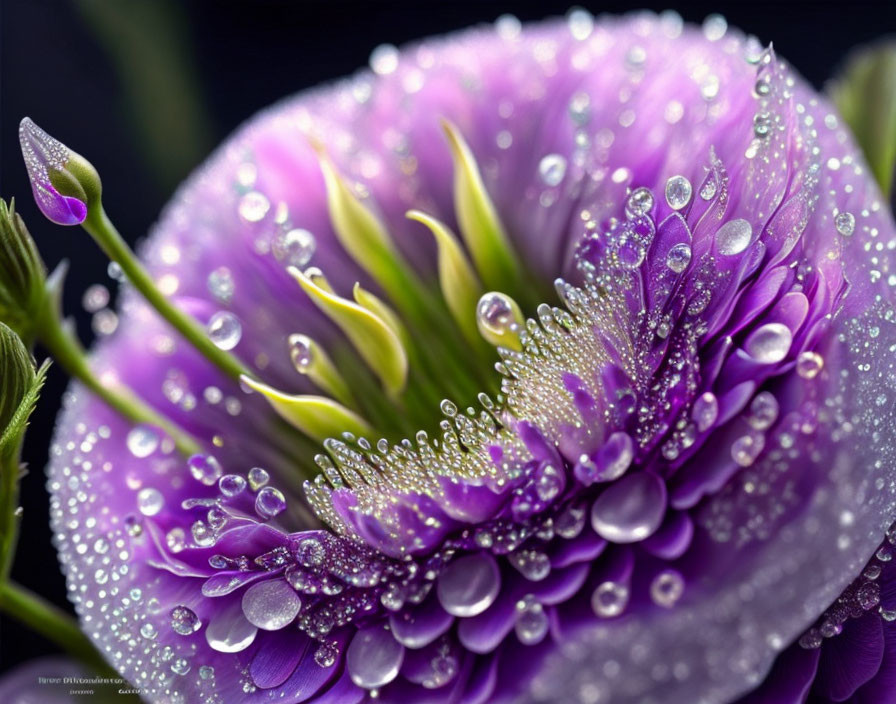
x,y
9,498
67,351
112,243
51,622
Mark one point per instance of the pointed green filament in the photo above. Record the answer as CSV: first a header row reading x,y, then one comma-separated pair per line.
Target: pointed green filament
x,y
311,359
318,417
478,218
373,339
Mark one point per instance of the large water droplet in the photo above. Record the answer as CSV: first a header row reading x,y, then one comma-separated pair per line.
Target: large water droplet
x,y
705,410
609,599
469,585
809,364
300,352
531,623
734,237
770,343
230,632
678,192
678,257
270,502
150,501
294,247
666,588
224,330
184,620
271,605
495,312
258,478
142,441
373,658
253,206
205,469
631,509
552,169
639,202
231,484
845,223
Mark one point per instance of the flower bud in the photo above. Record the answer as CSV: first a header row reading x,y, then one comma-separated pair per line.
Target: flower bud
x,y
22,274
65,184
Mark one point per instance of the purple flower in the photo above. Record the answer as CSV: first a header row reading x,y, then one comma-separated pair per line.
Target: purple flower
x,y
665,492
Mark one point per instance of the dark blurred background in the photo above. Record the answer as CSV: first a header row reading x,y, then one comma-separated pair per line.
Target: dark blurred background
x,y
146,88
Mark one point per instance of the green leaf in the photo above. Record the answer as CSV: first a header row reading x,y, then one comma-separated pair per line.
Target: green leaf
x,y
865,93
20,386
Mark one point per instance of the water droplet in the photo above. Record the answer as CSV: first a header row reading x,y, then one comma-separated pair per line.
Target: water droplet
x,y
184,620
532,564
770,343
230,632
258,478
666,588
147,630
495,312
142,441
763,411
224,330
639,202
373,658
95,298
220,284
205,469
609,599
231,484
809,364
253,206
269,502
678,192
845,223
271,605
705,411
678,257
580,107
580,23
203,536
552,169
747,448
714,27
301,352
734,237
531,623
384,59
469,585
150,501
176,539
762,124
327,654
630,252
708,191
294,247
631,509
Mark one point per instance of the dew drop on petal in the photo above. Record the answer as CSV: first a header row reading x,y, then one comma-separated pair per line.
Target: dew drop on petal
x,y
258,478
639,202
230,632
150,501
666,588
678,257
705,411
271,605
231,484
734,237
495,312
678,192
763,410
531,623
631,509
269,502
469,585
224,330
221,285
373,658
142,441
609,599
184,620
552,169
294,247
770,343
253,206
205,469
300,352
809,364
845,223
747,448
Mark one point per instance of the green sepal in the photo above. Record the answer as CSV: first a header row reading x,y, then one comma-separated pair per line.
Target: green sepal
x,y
865,94
22,275
20,385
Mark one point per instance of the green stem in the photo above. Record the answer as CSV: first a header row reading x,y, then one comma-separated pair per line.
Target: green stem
x,y
51,622
112,243
9,498
67,351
